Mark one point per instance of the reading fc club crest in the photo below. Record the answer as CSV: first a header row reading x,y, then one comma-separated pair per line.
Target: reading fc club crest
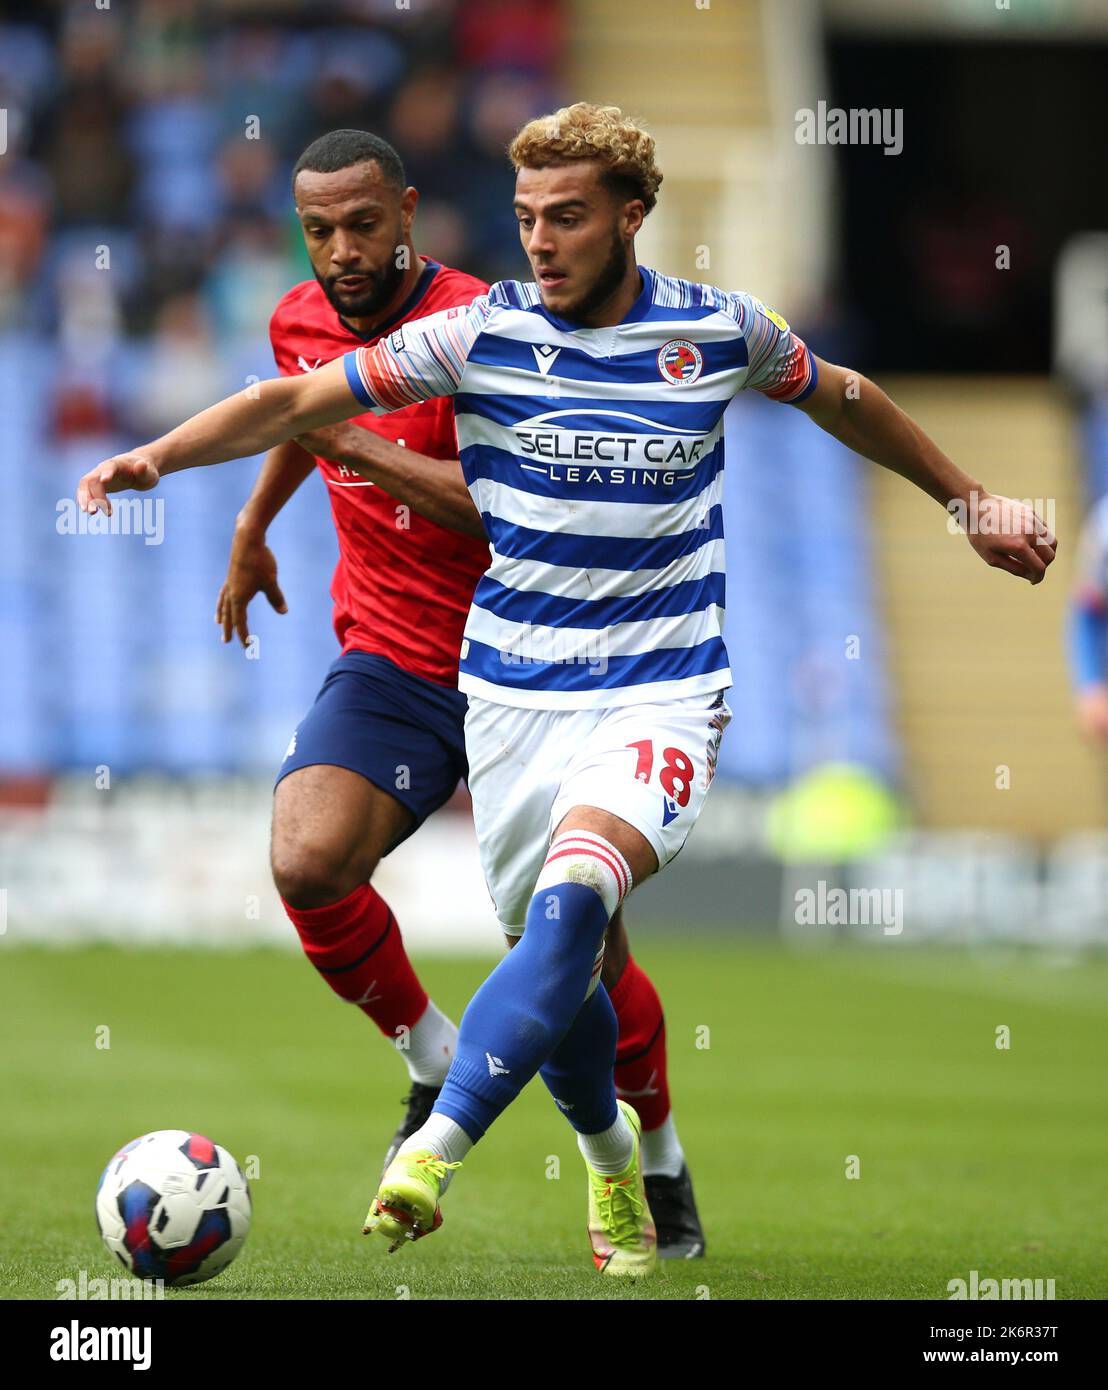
x,y
680,362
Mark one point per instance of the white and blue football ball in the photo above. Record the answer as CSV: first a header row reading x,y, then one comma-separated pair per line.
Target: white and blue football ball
x,y
172,1205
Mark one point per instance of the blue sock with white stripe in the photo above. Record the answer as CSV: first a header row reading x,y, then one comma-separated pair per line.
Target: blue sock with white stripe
x,y
524,1009
518,1020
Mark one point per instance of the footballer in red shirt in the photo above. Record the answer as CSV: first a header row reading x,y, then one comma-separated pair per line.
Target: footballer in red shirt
x,y
402,586
383,745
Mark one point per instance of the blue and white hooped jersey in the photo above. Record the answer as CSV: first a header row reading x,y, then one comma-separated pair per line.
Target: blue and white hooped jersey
x,y
595,457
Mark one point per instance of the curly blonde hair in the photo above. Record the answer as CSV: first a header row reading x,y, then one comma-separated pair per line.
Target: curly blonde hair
x,y
585,131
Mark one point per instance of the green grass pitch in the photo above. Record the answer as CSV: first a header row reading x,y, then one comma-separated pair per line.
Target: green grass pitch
x,y
971,1157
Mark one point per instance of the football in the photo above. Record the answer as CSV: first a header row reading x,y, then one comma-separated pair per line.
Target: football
x,y
172,1205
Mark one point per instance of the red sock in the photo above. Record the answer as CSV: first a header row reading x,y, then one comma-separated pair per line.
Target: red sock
x,y
355,945
641,1050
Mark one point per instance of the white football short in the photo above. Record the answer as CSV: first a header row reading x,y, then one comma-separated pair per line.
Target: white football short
x,y
651,765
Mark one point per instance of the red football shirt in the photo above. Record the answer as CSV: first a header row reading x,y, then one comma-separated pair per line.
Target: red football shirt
x,y
400,593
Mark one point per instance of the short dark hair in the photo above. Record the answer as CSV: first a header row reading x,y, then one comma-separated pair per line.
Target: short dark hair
x,y
339,149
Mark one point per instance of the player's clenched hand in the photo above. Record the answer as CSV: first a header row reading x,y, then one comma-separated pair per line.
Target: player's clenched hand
x,y
1010,535
125,472
252,569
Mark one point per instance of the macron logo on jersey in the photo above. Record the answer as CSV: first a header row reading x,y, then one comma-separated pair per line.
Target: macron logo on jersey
x,y
302,363
545,356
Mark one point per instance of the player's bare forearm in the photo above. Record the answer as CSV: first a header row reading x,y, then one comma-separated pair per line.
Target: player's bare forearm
x,y
282,472
432,487
1005,533
252,566
860,415
261,417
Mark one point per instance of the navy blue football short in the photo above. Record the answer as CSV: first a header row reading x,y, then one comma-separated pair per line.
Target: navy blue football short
x,y
404,734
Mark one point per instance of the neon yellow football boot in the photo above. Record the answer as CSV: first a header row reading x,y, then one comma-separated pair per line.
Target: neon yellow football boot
x,y
407,1203
621,1228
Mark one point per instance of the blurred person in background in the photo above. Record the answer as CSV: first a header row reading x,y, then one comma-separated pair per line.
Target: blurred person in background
x,y
182,365
1088,627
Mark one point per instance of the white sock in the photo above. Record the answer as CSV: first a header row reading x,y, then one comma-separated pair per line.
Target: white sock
x,y
443,1136
611,1150
662,1154
428,1048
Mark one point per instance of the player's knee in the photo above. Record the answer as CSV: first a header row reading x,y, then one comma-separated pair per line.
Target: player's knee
x,y
308,876
583,857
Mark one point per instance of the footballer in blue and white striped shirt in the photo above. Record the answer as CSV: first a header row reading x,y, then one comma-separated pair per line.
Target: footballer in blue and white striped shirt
x,y
589,409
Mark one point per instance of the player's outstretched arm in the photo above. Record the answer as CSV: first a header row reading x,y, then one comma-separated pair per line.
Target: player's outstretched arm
x,y
1006,533
252,566
432,487
261,417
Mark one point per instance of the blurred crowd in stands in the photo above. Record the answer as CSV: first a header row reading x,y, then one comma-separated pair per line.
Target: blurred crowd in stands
x,y
147,231
145,193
